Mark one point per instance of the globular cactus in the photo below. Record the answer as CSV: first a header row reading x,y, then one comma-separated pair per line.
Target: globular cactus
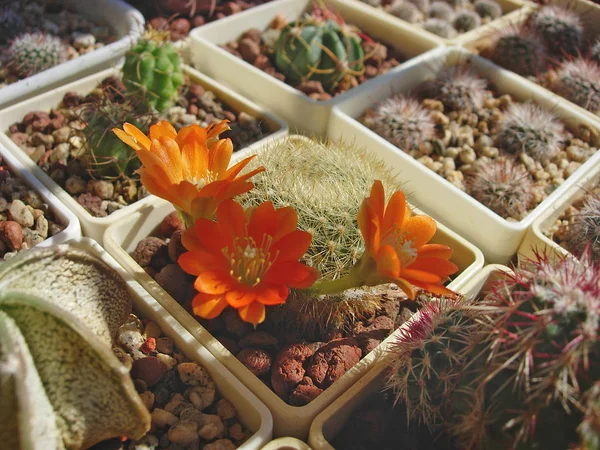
x,y
458,88
152,70
32,53
441,10
422,5
402,121
583,232
528,128
466,20
579,82
487,8
440,28
405,10
11,24
503,186
560,28
319,47
521,51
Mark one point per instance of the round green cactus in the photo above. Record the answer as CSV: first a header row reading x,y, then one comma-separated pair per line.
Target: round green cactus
x,y
319,49
153,68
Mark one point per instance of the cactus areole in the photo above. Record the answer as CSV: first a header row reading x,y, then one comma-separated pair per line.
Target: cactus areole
x,y
319,49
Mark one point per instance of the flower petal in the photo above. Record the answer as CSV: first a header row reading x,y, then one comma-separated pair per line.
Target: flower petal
x,y
194,158
214,282
377,200
212,236
230,215
419,230
162,129
196,262
140,138
262,222
287,221
219,156
435,251
420,275
292,246
394,212
407,287
387,261
434,288
438,266
167,151
239,297
293,274
208,306
254,313
273,294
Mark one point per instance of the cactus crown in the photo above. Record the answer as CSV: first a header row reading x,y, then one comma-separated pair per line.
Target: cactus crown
x,y
153,69
402,121
11,24
579,82
530,129
488,8
584,232
319,47
458,88
440,28
561,29
31,53
441,10
466,20
405,10
521,51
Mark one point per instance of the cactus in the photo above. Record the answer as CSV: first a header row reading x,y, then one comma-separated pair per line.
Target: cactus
x,y
589,429
561,29
503,186
442,11
487,8
152,69
319,47
466,20
440,28
11,24
579,82
422,5
595,52
583,233
29,53
405,10
528,128
458,88
521,51
325,183
402,121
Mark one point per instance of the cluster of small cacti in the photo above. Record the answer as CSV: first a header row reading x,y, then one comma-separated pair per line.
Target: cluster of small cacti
x,y
503,372
32,53
445,18
319,47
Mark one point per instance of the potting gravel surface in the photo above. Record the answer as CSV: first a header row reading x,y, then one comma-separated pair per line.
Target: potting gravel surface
x,y
51,17
25,220
55,142
256,46
296,367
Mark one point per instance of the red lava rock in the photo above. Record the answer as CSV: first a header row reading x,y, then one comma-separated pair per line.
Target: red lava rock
x,y
149,346
180,27
288,369
262,62
41,124
279,22
305,392
234,324
254,34
368,345
375,52
249,50
380,328
256,360
92,204
20,139
71,99
171,224
198,21
159,23
333,360
193,109
149,369
175,281
197,90
311,87
14,128
176,248
371,71
271,71
229,115
230,8
145,249
260,339
11,234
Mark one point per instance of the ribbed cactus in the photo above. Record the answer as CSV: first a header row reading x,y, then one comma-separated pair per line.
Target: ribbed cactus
x,y
319,47
152,70
32,53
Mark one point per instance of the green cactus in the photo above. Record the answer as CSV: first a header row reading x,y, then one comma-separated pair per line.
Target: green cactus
x,y
32,53
153,70
321,48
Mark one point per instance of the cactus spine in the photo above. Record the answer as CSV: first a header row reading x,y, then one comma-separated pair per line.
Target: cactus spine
x,y
561,29
579,82
32,53
584,231
521,51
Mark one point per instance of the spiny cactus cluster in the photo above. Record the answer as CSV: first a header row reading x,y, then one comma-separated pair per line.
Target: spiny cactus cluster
x,y
583,233
11,24
402,121
31,53
560,28
522,361
528,128
458,88
521,51
579,82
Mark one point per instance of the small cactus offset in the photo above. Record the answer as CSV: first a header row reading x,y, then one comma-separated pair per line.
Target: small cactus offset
x,y
528,128
153,70
466,21
487,8
32,53
319,47
458,88
403,121
584,231
11,24
561,29
440,28
579,82
405,10
503,185
441,10
521,51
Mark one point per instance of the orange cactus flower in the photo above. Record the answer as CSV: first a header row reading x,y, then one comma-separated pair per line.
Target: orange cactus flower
x,y
397,242
246,263
188,168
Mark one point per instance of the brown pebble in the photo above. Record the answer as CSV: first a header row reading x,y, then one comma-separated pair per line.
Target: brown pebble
x,y
311,87
260,339
304,393
256,360
159,23
176,248
198,21
249,50
149,369
11,234
171,223
333,360
146,249
180,26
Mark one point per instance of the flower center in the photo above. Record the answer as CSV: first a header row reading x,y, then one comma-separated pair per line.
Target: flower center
x,y
249,261
208,178
396,238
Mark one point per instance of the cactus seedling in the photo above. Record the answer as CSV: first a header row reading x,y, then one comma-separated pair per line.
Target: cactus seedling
x,y
11,24
488,8
402,121
29,53
521,51
458,88
466,21
584,231
440,28
502,185
441,10
405,10
319,47
530,129
579,82
561,29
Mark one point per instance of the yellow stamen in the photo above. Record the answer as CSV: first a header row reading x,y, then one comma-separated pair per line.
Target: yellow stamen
x,y
249,261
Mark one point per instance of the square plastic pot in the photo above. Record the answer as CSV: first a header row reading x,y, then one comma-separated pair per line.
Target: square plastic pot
x,y
126,21
497,237
63,215
299,110
253,414
122,238
286,443
95,227
329,423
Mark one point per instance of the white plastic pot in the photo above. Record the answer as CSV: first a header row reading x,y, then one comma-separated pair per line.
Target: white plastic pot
x,y
299,110
497,237
61,213
328,423
91,226
253,414
126,21
122,238
286,443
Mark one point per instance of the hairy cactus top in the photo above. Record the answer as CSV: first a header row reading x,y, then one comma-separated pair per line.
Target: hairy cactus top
x,y
440,28
521,51
405,10
584,231
466,20
579,82
488,8
441,10
458,88
29,54
561,29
